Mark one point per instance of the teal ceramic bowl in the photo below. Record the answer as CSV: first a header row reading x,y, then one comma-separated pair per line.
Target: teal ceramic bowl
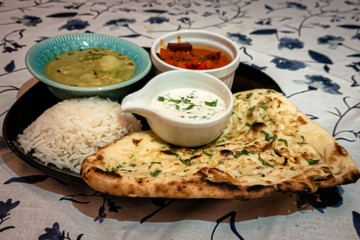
x,y
39,54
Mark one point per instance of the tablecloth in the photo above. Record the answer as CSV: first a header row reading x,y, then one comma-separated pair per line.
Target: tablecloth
x,y
310,48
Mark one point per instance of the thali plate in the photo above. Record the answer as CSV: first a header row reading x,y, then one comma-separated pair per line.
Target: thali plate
x,y
38,98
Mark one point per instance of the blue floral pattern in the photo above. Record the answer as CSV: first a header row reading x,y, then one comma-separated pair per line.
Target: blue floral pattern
x,y
310,48
331,40
290,43
292,65
320,82
55,233
5,208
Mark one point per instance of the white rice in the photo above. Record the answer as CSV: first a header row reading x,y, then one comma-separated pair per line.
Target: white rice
x,y
73,129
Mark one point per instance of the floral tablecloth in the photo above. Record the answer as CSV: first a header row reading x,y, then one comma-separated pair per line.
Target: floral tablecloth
x,y
310,48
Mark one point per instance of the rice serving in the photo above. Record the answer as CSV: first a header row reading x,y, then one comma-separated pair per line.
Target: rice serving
x,y
73,129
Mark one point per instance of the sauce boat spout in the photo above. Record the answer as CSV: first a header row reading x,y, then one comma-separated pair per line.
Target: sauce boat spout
x,y
138,102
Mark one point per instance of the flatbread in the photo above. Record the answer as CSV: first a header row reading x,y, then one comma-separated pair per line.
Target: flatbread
x,y
268,146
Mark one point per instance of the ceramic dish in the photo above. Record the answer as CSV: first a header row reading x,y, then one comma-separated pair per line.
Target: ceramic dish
x,y
183,123
202,39
39,54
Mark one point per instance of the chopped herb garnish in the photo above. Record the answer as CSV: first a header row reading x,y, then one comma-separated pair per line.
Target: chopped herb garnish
x,y
264,107
191,106
312,161
114,169
252,109
208,154
248,95
175,100
154,163
155,173
268,138
303,140
161,99
186,100
250,124
187,162
265,163
211,104
244,152
284,141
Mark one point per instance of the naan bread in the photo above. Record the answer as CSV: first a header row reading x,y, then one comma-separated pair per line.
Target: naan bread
x,y
268,146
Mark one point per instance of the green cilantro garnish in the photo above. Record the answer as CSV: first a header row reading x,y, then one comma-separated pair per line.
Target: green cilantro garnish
x,y
115,169
190,107
303,140
252,109
264,107
265,163
284,141
211,104
154,163
208,154
155,173
186,100
175,100
312,161
244,152
248,95
268,138
187,162
250,124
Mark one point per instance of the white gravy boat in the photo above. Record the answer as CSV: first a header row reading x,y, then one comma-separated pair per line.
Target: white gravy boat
x,y
176,131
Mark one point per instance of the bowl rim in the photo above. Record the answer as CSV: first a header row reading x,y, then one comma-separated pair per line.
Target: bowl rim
x,y
84,36
233,63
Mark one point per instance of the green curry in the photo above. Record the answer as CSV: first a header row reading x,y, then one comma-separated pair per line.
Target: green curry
x,y
92,67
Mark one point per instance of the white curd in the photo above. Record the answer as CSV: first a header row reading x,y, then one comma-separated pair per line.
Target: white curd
x,y
189,104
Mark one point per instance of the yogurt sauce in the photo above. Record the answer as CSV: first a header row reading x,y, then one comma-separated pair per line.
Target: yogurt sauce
x,y
189,104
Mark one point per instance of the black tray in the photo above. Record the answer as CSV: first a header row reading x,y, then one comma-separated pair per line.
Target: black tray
x,y
38,98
